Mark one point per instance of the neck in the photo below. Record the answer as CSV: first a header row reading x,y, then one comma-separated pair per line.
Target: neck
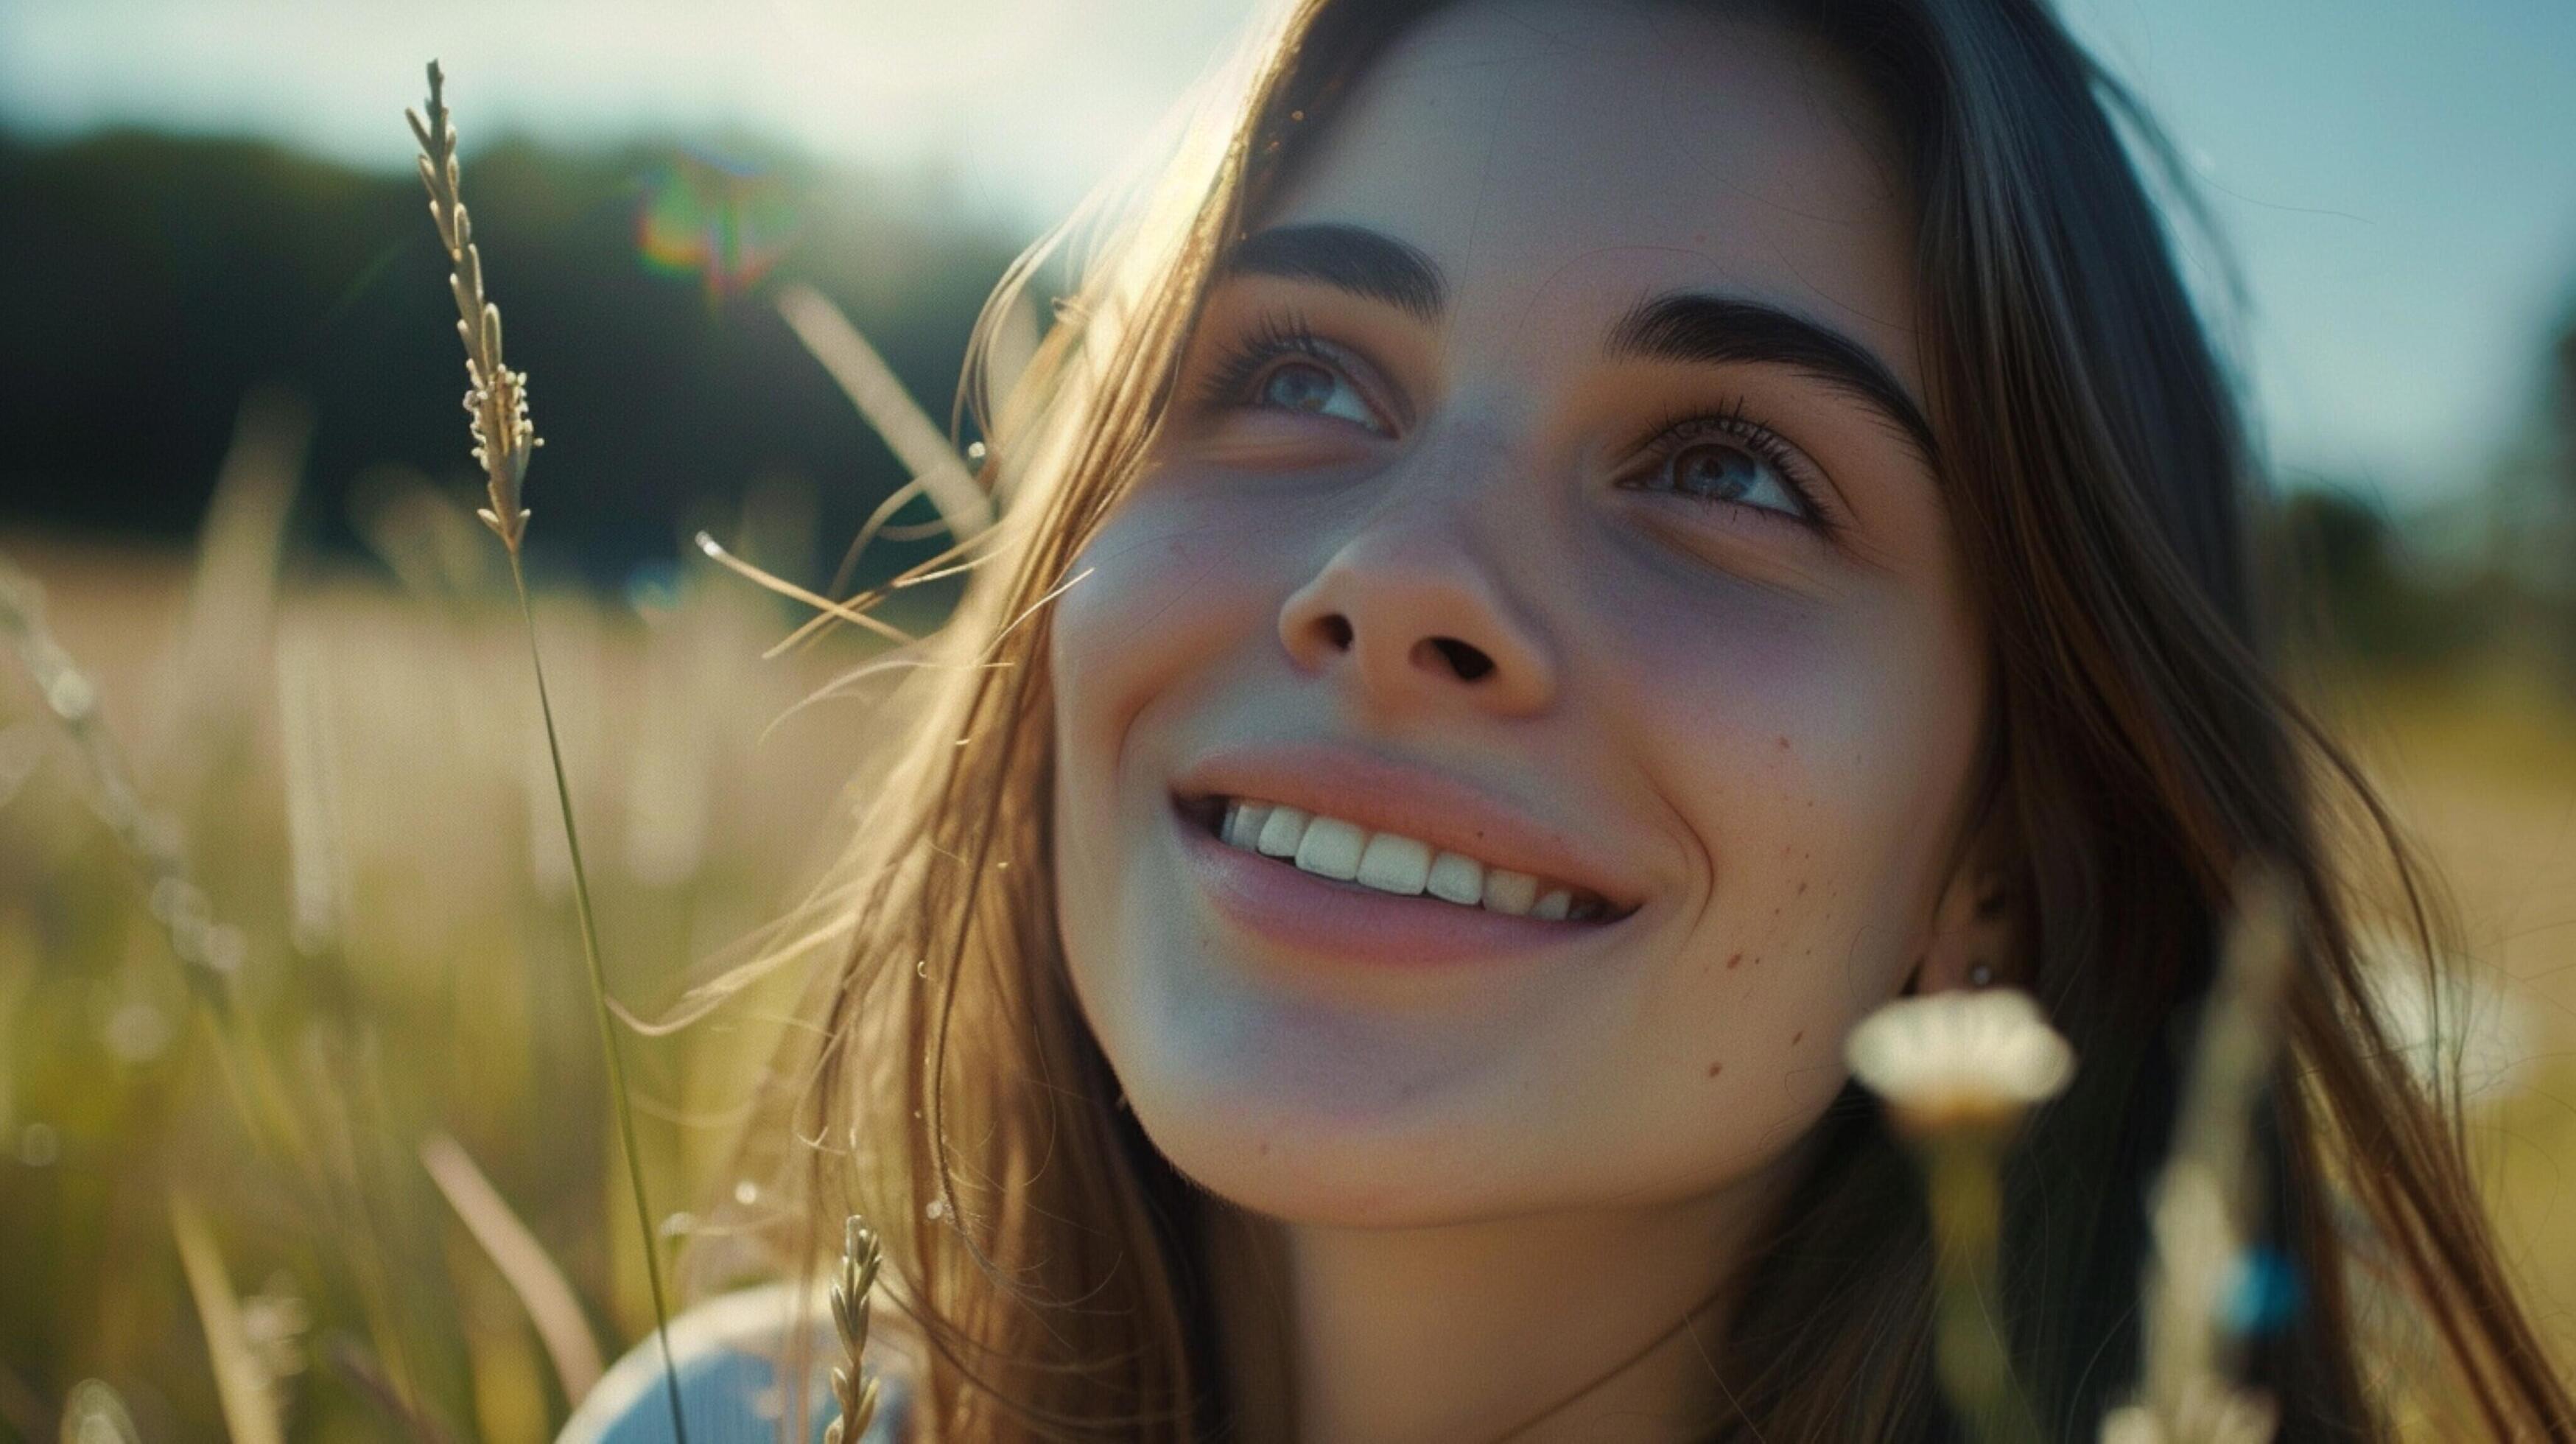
x,y
1597,1324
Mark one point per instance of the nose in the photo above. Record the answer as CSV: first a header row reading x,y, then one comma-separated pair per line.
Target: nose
x,y
1410,607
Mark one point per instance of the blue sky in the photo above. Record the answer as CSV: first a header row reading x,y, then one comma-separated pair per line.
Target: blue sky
x,y
2400,182
2399,179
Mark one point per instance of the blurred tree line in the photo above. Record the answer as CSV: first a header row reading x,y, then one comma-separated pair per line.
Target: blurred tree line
x,y
2488,574
155,281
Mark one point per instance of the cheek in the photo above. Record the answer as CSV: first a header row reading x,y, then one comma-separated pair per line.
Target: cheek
x,y
1163,603
1847,708
1813,756
1155,601
1810,757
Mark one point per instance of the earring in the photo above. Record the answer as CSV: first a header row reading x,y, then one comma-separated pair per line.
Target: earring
x,y
1980,974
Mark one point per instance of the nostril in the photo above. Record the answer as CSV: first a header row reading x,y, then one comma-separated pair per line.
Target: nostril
x,y
1468,661
1337,630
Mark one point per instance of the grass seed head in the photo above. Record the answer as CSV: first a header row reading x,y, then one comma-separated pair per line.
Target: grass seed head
x,y
2213,1414
861,1256
496,397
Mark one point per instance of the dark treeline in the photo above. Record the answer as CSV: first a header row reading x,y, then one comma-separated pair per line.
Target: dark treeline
x,y
148,283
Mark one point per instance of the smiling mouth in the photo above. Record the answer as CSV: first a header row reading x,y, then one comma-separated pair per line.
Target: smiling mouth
x,y
1389,862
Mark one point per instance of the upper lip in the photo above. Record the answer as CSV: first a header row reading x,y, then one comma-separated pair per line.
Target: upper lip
x,y
1410,799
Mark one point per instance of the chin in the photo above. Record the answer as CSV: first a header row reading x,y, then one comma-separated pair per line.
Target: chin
x,y
1323,1181
1332,1160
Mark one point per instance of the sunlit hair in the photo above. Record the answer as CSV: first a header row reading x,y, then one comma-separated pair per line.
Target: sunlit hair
x,y
2139,751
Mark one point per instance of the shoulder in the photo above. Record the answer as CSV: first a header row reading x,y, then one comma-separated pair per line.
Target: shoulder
x,y
731,1354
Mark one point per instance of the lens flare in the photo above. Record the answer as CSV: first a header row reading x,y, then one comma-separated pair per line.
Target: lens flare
x,y
725,222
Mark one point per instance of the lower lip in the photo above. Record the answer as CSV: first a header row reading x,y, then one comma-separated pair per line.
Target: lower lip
x,y
1349,923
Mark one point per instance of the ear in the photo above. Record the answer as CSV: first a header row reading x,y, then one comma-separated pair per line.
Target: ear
x,y
1974,930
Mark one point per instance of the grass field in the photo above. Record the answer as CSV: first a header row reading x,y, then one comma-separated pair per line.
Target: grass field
x,y
361,790
352,771
2483,770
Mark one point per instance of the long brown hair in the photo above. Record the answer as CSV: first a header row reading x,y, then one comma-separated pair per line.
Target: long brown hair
x,y
2141,751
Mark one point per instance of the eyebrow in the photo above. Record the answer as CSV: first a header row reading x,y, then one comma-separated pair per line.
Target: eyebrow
x,y
1692,327
1349,258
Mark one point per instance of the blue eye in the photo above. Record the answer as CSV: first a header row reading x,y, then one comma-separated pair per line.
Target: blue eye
x,y
1284,366
1732,473
1307,386
1727,459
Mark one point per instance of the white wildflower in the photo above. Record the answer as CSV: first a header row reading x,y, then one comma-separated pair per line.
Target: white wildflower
x,y
1961,1056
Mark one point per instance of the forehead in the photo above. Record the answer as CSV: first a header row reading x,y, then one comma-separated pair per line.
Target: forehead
x,y
1559,158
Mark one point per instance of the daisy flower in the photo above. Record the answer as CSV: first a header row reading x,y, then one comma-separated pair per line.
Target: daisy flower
x,y
1959,1058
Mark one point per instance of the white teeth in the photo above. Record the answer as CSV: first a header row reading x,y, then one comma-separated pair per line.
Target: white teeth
x,y
1510,892
1331,848
1456,878
1243,822
1281,831
1395,863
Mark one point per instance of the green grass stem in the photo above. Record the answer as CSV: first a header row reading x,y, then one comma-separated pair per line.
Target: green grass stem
x,y
599,1006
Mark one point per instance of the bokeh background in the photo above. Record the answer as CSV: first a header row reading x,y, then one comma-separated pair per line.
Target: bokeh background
x,y
299,1086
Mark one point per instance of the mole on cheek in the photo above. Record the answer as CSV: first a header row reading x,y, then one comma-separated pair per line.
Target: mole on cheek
x,y
1796,1037
1731,962
1716,1068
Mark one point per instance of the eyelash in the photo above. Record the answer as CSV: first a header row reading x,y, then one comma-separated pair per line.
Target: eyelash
x,y
1286,333
1273,335
1735,425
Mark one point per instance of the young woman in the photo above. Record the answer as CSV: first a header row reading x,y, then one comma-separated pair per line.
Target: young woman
x,y
1563,553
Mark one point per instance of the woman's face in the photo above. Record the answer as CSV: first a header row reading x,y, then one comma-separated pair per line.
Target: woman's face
x,y
1543,514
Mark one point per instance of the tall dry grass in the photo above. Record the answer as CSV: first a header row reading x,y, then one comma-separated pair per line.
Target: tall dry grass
x,y
372,944
358,1076
496,403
